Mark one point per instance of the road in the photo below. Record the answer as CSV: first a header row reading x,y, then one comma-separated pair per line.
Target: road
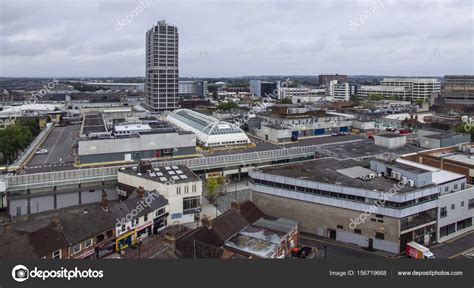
x,y
460,248
60,151
337,250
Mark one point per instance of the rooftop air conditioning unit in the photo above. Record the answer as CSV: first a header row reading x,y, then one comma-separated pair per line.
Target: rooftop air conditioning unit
x,y
404,179
372,176
411,182
396,175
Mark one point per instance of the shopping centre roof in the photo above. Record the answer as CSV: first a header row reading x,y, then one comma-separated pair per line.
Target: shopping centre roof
x,y
209,131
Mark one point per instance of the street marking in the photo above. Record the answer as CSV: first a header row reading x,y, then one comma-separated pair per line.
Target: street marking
x,y
469,252
344,246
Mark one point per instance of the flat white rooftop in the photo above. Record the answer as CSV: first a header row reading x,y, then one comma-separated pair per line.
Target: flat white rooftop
x,y
403,116
439,176
132,127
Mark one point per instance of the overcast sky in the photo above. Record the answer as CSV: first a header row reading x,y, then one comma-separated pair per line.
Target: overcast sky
x,y
236,38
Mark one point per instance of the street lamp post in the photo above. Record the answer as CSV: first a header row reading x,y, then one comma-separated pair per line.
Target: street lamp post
x,y
235,190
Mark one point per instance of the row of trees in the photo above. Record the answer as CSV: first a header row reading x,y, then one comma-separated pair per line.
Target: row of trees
x,y
17,137
83,88
227,105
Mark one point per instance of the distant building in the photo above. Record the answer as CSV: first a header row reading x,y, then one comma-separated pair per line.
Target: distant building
x,y
289,92
390,140
161,86
117,86
286,123
264,88
190,89
419,88
441,140
341,91
459,89
324,79
366,91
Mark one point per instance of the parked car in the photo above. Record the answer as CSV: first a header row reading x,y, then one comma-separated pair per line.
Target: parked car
x,y
41,151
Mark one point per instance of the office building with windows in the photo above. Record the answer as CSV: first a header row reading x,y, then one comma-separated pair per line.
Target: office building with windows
x,y
261,88
400,93
459,89
420,88
190,89
382,206
178,184
341,91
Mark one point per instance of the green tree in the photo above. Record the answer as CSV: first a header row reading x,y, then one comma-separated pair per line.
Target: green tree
x,y
286,100
17,137
211,187
227,105
220,181
465,128
419,102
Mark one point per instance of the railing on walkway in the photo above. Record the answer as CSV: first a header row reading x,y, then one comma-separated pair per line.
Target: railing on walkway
x,y
38,180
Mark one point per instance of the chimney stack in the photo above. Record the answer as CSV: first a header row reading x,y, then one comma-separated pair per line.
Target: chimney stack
x,y
7,226
206,221
235,205
140,192
144,166
57,223
105,203
170,241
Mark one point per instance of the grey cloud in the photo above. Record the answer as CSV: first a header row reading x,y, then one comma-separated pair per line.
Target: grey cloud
x,y
232,38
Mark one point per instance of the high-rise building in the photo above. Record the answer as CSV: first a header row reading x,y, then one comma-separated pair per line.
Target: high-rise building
x,y
340,91
161,84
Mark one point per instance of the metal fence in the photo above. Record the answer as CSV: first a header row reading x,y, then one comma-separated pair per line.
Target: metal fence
x,y
110,173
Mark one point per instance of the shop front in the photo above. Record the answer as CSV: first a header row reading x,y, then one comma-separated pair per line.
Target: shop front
x,y
126,240
160,223
145,230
